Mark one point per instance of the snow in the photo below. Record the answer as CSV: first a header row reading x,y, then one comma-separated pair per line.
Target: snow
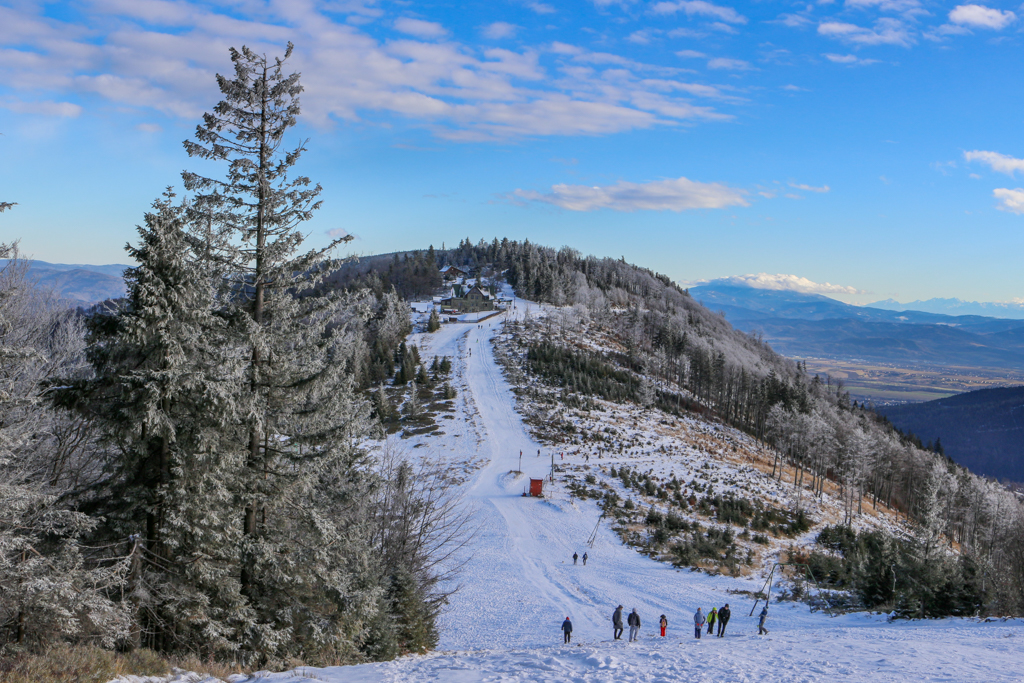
x,y
851,648
520,582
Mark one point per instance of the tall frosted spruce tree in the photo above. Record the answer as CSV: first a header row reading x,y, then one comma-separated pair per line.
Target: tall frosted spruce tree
x,y
164,392
303,570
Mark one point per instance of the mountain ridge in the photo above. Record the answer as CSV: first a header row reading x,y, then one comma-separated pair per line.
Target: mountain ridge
x,y
77,282
982,430
813,325
954,306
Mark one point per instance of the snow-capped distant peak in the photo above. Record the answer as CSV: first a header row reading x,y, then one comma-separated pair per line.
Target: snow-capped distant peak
x,y
781,282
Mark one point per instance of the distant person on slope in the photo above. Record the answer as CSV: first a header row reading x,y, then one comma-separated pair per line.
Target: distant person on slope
x,y
575,557
617,622
584,559
761,630
567,630
664,625
698,623
634,625
723,619
712,617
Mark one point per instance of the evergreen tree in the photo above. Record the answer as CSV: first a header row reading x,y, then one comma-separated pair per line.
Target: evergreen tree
x,y
300,571
163,394
434,323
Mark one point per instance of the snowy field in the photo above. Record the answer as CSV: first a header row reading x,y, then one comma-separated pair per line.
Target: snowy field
x,y
520,583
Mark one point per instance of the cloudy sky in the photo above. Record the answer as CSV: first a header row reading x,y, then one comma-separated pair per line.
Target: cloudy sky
x,y
874,144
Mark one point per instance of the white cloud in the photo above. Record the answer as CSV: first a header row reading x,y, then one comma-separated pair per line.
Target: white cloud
x,y
149,127
793,20
810,188
887,31
42,108
126,57
851,60
541,7
1010,200
499,30
906,7
780,282
978,16
721,26
1001,163
700,8
730,64
690,54
677,194
643,36
420,28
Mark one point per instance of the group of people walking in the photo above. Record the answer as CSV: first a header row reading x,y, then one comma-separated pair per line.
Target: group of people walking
x,y
576,557
717,616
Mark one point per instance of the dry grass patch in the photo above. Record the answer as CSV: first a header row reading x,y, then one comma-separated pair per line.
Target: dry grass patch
x,y
90,664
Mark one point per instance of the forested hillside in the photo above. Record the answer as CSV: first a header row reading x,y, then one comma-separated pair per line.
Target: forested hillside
x,y
671,352
982,430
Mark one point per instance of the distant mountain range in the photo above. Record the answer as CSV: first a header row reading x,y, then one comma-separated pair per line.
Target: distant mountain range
x,y
956,307
982,430
798,324
80,283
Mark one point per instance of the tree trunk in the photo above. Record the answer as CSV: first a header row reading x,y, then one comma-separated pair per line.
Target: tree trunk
x,y
249,520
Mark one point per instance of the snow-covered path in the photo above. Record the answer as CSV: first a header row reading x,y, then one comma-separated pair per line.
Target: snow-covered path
x,y
521,582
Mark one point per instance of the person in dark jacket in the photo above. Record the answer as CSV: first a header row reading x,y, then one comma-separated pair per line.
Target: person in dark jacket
x,y
712,617
617,622
634,625
575,557
698,623
584,559
567,630
761,630
723,619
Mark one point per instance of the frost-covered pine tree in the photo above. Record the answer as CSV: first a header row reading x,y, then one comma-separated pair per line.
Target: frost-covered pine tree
x,y
301,570
164,394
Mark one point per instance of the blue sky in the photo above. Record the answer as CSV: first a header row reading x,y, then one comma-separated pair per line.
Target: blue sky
x,y
876,145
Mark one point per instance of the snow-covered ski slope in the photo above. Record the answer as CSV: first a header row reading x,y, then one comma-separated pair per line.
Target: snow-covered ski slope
x,y
520,583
